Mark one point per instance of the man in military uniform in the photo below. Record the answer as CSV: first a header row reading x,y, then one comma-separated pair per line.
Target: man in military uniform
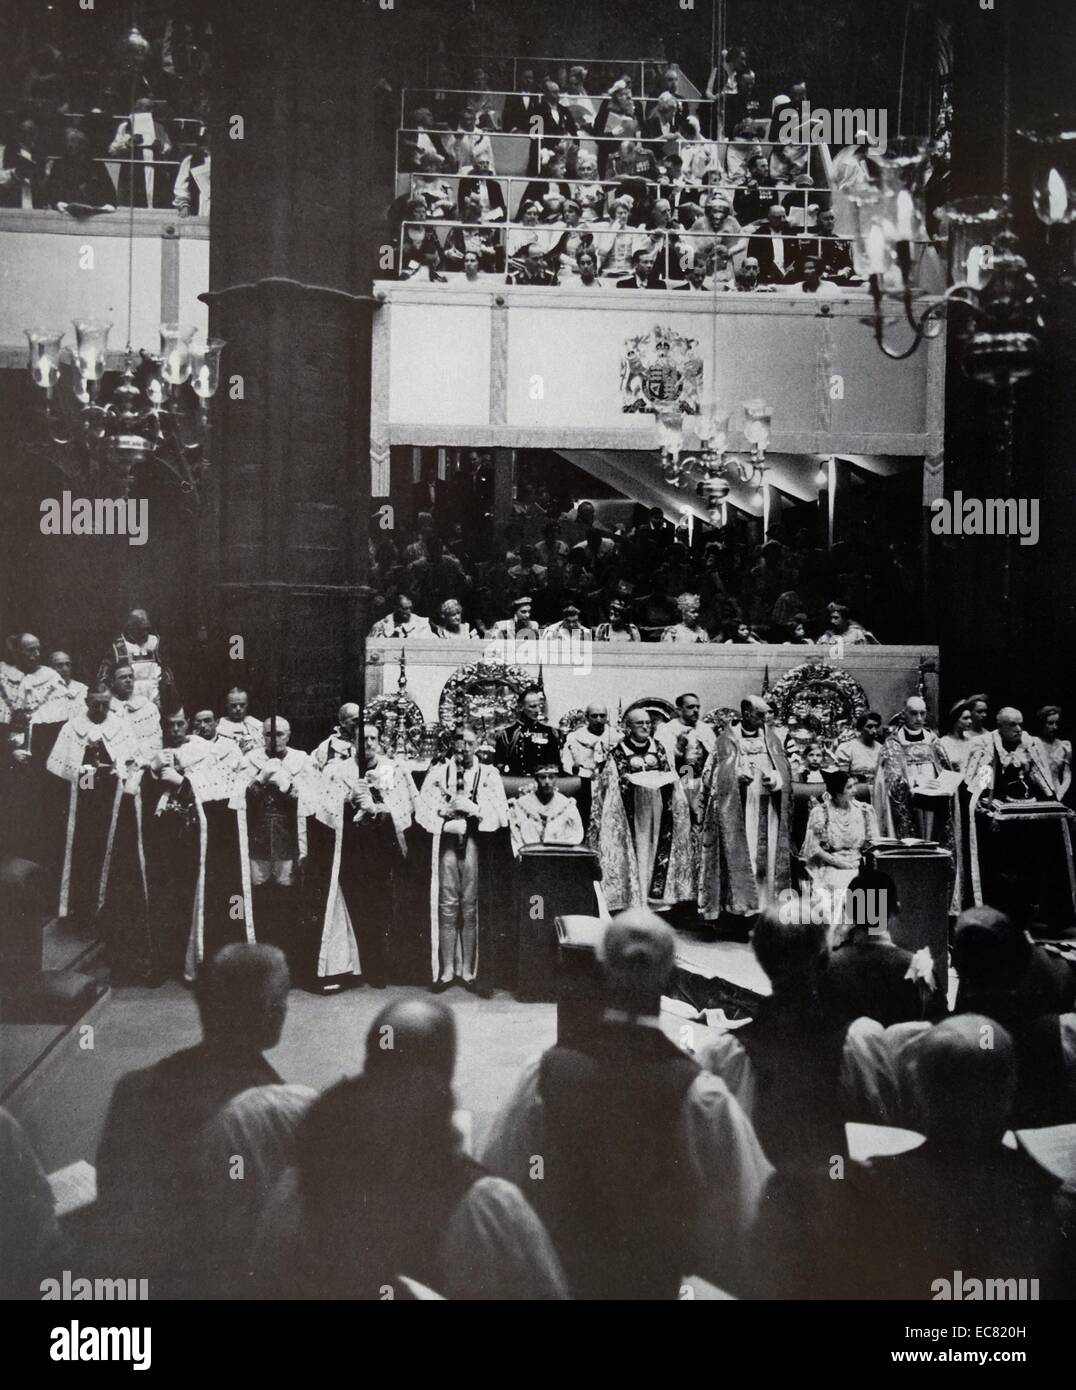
x,y
523,746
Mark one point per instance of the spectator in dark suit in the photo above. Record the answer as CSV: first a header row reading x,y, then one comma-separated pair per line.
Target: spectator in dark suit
x,y
772,248
834,255
22,179
77,183
643,277
487,190
556,119
867,975
754,199
521,105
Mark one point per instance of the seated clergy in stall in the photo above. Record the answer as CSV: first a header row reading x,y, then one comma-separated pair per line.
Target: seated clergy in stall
x,y
95,754
640,823
358,853
909,797
272,797
462,804
341,742
1018,829
142,716
180,777
544,816
238,724
139,646
747,790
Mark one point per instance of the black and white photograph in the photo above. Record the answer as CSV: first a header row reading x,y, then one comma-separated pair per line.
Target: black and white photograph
x,y
404,895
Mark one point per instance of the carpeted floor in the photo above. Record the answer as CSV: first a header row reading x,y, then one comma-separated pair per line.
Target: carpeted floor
x,y
63,1104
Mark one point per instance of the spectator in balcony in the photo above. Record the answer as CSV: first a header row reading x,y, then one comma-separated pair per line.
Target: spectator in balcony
x,y
700,158
688,629
811,281
667,121
574,238
663,239
619,114
482,241
528,233
742,152
754,197
788,157
773,248
586,190
436,576
191,192
149,187
450,624
551,191
717,225
529,267
587,268
749,277
551,551
487,190
420,244
619,627
643,272
419,141
842,630
743,104
469,143
584,108
856,168
435,191
616,245
834,253
521,105
45,80
403,621
636,171
77,183
696,277
24,170
556,118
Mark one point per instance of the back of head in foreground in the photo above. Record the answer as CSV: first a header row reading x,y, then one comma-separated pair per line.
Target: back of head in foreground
x,y
242,995
637,954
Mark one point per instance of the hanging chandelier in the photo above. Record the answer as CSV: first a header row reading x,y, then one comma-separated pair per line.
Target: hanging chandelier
x,y
157,414
711,469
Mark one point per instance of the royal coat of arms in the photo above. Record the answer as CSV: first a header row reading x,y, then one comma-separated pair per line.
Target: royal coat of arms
x,y
661,371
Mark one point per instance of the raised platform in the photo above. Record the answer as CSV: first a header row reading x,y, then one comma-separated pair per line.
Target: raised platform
x,y
620,673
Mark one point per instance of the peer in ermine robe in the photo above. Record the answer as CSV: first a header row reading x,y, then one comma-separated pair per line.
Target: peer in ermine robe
x,y
95,754
544,816
640,825
272,796
222,923
462,804
354,896
747,790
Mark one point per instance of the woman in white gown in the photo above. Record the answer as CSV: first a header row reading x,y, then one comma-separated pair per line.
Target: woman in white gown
x,y
838,830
